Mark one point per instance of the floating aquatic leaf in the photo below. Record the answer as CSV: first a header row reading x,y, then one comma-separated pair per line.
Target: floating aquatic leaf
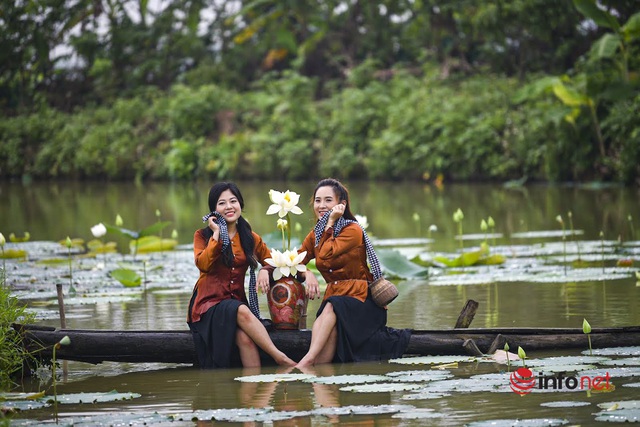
x,y
24,405
111,396
21,396
633,385
431,360
128,278
564,404
620,404
619,416
273,378
13,253
631,361
347,379
566,361
519,422
419,376
381,387
546,234
615,351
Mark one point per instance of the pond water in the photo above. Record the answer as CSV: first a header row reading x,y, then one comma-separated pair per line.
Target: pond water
x,y
545,280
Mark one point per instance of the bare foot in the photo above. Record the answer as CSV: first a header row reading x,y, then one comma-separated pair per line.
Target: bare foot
x,y
305,363
284,360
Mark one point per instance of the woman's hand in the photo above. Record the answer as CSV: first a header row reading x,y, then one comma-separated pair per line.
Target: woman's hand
x,y
263,281
336,212
312,287
213,225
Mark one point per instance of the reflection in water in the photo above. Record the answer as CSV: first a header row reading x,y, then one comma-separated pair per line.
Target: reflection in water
x,y
53,211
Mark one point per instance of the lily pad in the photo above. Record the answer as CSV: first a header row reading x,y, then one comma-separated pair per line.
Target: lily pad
x,y
381,387
619,416
111,396
564,404
274,378
531,422
631,361
615,351
347,379
420,376
546,234
128,278
431,360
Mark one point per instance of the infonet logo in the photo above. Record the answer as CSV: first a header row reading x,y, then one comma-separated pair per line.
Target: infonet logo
x,y
522,381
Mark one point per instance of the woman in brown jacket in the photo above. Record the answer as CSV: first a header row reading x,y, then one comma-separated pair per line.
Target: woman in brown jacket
x,y
349,326
225,326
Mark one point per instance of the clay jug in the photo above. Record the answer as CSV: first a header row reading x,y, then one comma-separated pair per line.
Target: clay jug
x,y
288,304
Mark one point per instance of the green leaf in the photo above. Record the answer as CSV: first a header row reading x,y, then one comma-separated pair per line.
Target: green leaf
x,y
631,29
153,229
128,278
605,47
569,96
129,234
602,18
153,244
397,265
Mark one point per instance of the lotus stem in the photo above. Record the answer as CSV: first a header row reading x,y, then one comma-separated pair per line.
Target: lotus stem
x,y
602,248
573,235
564,243
586,328
633,231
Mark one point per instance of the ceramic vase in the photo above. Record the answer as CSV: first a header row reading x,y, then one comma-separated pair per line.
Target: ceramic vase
x,y
288,304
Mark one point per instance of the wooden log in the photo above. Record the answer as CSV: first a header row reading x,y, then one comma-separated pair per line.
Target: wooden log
x,y
467,314
498,343
96,346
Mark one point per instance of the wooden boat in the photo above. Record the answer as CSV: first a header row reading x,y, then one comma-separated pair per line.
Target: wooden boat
x,y
176,346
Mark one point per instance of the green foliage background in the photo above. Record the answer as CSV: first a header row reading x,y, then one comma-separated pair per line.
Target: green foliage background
x,y
464,90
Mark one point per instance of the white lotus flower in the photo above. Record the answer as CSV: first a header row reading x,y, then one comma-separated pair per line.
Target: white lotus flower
x,y
286,263
283,203
98,230
362,220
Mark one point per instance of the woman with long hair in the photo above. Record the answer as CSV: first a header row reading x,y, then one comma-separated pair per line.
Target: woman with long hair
x,y
349,326
225,324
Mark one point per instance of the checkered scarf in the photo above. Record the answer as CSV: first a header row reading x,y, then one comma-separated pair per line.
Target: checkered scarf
x,y
226,242
337,228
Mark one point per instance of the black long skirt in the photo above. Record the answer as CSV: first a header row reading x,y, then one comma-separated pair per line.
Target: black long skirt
x,y
214,336
362,331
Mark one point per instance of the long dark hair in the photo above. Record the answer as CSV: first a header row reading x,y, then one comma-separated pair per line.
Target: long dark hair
x,y
340,192
244,228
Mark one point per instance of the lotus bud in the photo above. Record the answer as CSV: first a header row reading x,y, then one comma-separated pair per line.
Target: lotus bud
x,y
506,346
433,228
569,214
174,234
298,227
2,240
490,222
521,354
559,219
158,213
416,217
281,224
65,340
483,225
68,242
586,327
119,221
